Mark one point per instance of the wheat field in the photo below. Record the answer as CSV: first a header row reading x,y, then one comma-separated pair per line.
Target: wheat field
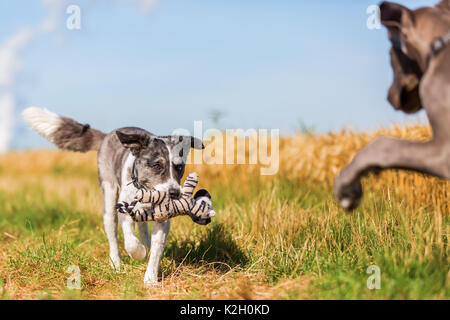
x,y
274,237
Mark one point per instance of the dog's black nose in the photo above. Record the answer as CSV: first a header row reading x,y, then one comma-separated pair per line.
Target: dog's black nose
x,y
174,193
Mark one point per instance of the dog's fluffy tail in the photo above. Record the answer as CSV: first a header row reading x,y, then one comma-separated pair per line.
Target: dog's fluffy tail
x,y
65,133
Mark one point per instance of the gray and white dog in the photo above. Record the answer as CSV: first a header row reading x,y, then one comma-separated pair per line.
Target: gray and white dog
x,y
128,158
420,59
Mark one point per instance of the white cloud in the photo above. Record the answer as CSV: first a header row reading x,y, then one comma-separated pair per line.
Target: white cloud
x,y
7,103
147,6
55,13
11,64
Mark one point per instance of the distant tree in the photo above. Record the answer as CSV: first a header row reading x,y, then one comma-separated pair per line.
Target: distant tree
x,y
216,115
306,129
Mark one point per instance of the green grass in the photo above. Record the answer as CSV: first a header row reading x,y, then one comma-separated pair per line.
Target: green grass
x,y
279,230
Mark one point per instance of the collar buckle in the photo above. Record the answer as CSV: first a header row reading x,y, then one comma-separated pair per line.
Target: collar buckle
x,y
134,177
439,44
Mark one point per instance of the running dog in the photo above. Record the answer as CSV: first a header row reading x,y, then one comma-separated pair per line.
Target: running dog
x,y
420,59
128,159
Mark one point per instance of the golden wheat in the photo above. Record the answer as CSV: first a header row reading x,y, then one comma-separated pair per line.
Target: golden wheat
x,y
271,232
304,157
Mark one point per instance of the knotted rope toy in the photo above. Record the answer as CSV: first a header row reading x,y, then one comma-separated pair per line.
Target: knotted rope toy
x,y
153,205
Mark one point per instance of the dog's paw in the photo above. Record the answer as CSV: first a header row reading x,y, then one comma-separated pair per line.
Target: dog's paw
x,y
348,194
136,250
151,283
140,253
115,263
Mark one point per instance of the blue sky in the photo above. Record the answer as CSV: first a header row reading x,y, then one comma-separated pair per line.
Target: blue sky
x,y
266,64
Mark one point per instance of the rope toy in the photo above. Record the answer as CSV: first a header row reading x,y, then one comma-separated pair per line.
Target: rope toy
x,y
153,205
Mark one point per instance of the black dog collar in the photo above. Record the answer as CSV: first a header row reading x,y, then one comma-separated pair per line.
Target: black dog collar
x,y
134,177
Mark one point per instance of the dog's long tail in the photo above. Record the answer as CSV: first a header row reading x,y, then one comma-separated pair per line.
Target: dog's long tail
x,y
65,133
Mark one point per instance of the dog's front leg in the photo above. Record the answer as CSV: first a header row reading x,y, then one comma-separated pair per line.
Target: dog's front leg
x,y
387,153
159,237
135,249
144,235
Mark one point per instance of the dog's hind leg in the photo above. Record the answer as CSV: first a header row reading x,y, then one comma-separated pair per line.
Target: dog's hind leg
x,y
159,237
430,157
110,221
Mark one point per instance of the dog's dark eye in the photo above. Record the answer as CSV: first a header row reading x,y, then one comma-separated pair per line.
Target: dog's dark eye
x,y
155,166
179,167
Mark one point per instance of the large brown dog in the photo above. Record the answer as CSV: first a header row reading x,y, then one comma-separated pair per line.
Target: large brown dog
x,y
420,58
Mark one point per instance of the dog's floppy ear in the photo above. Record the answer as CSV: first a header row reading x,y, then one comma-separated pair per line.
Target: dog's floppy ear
x,y
136,142
444,4
182,144
196,143
187,142
393,15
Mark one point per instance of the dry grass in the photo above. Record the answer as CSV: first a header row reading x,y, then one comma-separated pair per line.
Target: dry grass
x,y
275,237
